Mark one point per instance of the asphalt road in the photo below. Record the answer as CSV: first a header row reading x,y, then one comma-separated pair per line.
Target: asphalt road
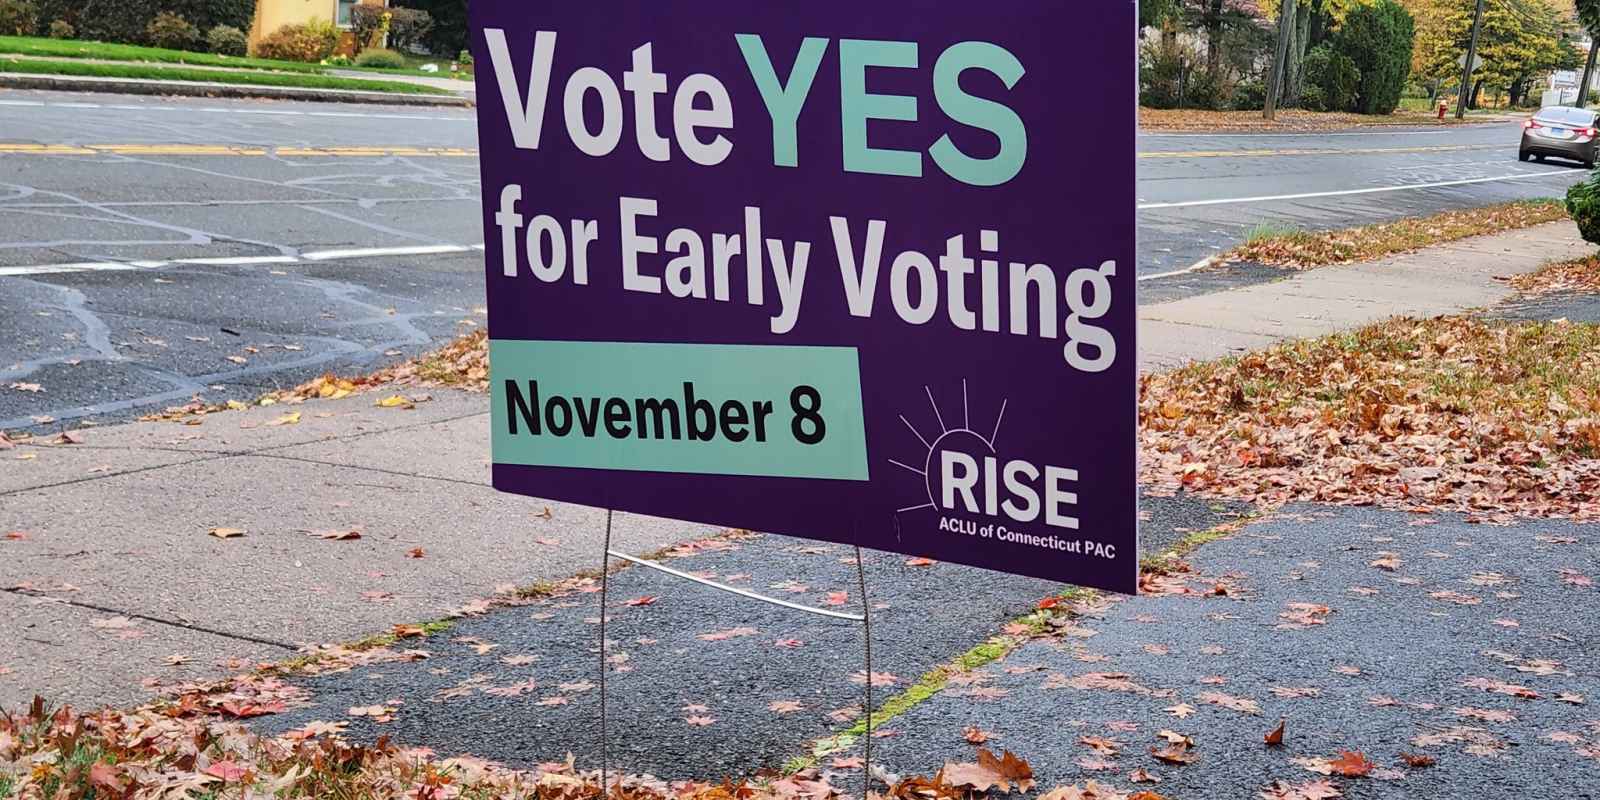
x,y
152,250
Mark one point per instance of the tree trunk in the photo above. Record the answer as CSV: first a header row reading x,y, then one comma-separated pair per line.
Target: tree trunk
x,y
1212,20
1476,95
1294,69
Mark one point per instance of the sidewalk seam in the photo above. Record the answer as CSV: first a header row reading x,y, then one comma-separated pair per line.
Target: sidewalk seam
x,y
147,618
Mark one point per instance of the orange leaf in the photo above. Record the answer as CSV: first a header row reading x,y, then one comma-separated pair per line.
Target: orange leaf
x,y
1351,764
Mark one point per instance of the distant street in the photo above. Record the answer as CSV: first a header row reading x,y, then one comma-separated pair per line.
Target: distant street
x,y
152,250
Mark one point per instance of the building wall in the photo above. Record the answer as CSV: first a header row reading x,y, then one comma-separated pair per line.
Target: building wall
x,y
274,14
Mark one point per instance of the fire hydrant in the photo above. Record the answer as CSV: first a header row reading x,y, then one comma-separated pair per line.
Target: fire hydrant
x,y
1443,106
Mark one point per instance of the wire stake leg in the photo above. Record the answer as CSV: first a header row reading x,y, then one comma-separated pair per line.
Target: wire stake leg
x,y
866,640
605,573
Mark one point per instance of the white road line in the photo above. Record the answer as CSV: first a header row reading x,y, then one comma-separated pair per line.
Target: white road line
x,y
1196,266
1221,201
229,261
375,252
303,258
20,103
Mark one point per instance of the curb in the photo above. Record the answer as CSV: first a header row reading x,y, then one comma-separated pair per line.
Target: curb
x,y
72,83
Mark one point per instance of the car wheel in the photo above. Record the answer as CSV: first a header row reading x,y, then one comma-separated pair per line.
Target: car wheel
x,y
1522,156
1538,158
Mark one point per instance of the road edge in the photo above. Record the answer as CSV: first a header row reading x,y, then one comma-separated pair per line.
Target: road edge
x,y
72,83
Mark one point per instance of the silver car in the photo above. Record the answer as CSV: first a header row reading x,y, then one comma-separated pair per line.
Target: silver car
x,y
1561,132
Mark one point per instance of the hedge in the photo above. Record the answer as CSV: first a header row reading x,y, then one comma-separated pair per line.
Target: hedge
x,y
1378,38
127,20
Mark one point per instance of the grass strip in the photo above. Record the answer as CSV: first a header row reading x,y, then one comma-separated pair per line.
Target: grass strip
x,y
72,48
1280,246
934,680
1293,119
108,51
189,74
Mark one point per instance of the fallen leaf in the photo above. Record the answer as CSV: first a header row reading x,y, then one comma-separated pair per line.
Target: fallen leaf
x,y
227,533
291,418
338,536
1274,737
1351,764
785,706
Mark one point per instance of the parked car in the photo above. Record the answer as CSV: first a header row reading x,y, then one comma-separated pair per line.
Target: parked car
x,y
1561,132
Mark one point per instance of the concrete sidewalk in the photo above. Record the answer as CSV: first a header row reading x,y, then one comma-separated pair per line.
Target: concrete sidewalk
x,y
113,569
1446,279
113,572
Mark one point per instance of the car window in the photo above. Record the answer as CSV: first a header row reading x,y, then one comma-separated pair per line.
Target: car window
x,y
1567,116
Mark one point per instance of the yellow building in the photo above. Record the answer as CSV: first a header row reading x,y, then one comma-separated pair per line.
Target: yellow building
x,y
274,14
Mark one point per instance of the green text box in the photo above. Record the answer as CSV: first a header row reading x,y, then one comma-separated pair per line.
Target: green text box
x,y
588,374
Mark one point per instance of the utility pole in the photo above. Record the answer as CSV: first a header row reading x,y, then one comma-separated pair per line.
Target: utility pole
x,y
1466,69
1275,80
1588,73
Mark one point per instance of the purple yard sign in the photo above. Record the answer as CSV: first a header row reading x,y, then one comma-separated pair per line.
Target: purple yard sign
x,y
853,271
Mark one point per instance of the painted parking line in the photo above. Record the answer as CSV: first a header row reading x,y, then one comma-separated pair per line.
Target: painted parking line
x,y
313,257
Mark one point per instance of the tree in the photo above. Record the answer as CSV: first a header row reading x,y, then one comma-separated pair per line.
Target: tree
x,y
1521,40
448,35
1378,38
1589,17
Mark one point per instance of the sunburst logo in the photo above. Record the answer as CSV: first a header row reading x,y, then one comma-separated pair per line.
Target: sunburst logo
x,y
964,474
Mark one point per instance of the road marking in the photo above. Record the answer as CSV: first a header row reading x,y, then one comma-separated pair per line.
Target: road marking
x,y
314,257
375,252
354,151
1355,151
1195,267
1220,201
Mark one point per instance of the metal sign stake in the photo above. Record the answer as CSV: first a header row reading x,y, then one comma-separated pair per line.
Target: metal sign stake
x,y
605,573
866,642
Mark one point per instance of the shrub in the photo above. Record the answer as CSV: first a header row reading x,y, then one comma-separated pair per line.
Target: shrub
x,y
368,24
337,60
381,59
62,29
448,33
1378,39
1311,98
18,17
226,40
408,27
1162,67
172,32
464,58
1335,76
1250,95
310,42
1583,203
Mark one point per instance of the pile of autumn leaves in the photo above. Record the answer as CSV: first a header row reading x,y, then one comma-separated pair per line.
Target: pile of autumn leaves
x,y
1301,250
1491,419
196,746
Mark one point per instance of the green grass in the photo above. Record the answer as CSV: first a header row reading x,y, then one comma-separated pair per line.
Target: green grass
x,y
933,681
72,48
179,73
108,51
5,786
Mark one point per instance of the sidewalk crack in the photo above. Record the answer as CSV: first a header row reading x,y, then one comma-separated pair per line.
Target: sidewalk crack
x,y
147,618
